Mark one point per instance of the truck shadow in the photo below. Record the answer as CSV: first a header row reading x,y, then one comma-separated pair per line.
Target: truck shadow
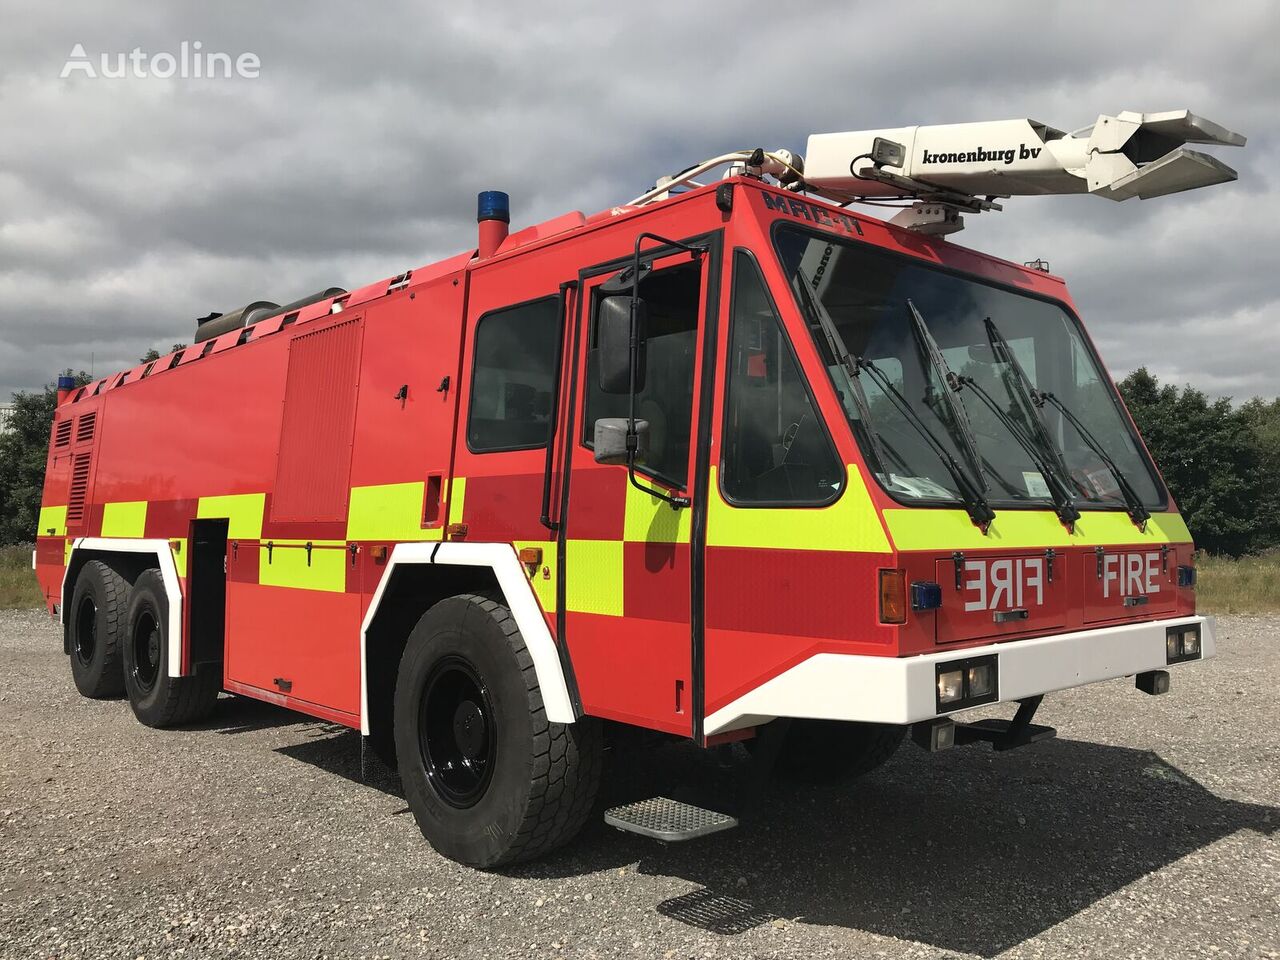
x,y
968,851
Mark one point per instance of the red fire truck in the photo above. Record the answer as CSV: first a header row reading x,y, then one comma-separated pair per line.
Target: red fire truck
x,y
728,462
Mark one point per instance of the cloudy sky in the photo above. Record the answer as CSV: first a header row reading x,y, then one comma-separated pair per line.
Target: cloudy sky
x,y
129,207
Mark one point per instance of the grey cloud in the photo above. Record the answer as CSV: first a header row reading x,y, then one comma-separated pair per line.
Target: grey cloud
x,y
127,208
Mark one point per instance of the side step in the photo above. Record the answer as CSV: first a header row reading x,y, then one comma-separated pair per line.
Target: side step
x,y
668,820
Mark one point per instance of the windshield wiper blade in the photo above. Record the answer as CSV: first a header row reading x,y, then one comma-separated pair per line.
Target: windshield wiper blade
x,y
818,315
1063,502
1020,387
958,425
971,494
1137,510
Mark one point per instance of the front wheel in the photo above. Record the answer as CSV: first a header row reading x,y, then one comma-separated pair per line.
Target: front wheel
x,y
832,751
157,699
489,779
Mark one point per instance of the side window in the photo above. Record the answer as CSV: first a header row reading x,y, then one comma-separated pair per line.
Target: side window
x,y
514,371
673,296
776,449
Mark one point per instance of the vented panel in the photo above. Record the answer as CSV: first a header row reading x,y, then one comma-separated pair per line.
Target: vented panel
x,y
314,461
62,434
79,487
84,429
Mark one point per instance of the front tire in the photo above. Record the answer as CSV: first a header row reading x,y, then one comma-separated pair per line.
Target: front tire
x,y
833,751
489,779
157,699
95,627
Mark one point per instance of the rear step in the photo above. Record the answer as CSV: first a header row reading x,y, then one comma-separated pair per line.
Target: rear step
x,y
668,820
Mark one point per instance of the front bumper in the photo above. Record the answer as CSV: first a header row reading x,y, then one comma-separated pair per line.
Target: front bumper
x,y
833,686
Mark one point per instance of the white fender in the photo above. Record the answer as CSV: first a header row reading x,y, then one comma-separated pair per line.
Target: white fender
x,y
502,560
168,572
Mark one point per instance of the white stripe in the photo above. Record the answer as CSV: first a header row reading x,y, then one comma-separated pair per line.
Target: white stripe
x,y
168,573
502,560
834,686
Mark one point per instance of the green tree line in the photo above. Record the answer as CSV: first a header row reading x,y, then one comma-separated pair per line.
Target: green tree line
x,y
1221,461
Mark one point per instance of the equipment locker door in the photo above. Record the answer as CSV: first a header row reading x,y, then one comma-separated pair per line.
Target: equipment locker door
x,y
625,590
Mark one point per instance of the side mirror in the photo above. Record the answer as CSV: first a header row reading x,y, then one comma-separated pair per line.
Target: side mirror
x,y
613,344
611,440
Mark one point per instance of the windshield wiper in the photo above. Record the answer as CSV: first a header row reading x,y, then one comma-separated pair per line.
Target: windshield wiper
x,y
971,495
1020,387
840,353
957,421
1137,510
1063,501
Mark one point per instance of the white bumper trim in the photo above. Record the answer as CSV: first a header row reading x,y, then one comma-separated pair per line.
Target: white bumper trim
x,y
834,686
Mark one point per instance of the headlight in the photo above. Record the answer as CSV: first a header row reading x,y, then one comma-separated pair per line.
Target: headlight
x,y
967,683
1182,643
950,686
982,680
1191,643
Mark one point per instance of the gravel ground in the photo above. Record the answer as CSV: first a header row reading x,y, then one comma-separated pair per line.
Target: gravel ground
x,y
1149,828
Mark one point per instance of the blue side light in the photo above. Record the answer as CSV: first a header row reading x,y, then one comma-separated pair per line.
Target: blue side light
x,y
493,205
66,383
926,595
1186,576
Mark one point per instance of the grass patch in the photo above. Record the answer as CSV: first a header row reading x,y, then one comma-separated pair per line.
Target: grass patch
x,y
1243,585
18,587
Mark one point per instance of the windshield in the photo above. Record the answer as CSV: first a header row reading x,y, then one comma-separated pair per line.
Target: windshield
x,y
928,332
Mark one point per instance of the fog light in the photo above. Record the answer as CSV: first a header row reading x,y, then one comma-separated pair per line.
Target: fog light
x,y
950,686
982,680
1182,643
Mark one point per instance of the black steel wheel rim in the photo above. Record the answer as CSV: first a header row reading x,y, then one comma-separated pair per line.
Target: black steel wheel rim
x,y
456,732
86,630
146,650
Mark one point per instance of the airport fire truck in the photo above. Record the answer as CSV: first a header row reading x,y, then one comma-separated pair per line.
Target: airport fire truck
x,y
728,462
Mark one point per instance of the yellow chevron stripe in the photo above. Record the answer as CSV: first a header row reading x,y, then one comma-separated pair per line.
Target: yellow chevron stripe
x,y
851,523
390,511
125,519
52,522
285,564
244,510
924,528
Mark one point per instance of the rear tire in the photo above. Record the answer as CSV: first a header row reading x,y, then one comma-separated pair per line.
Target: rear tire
x,y
833,751
157,699
95,627
489,779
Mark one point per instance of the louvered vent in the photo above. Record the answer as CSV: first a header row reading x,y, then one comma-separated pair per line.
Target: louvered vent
x,y
79,487
314,461
62,435
84,429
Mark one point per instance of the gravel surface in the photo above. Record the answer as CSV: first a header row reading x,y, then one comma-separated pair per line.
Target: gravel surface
x,y
1148,828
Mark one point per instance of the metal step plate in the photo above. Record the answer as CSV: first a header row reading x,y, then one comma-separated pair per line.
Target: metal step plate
x,y
668,820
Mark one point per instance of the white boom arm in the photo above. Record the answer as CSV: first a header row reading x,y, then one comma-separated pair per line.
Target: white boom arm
x,y
1128,155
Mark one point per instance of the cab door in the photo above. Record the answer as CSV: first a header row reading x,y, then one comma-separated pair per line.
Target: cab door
x,y
625,590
